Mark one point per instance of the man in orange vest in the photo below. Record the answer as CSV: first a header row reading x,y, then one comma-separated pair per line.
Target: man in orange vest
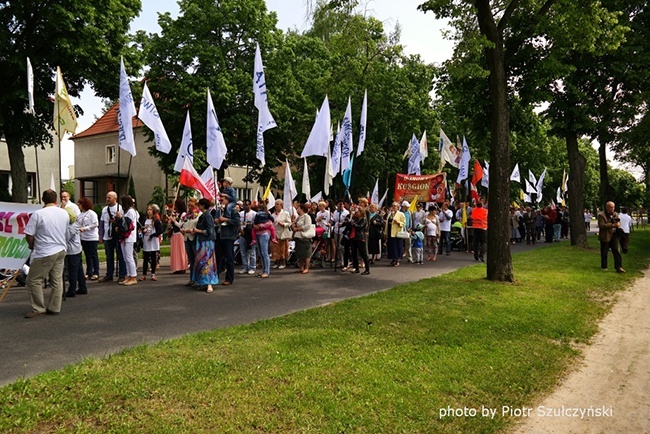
x,y
479,223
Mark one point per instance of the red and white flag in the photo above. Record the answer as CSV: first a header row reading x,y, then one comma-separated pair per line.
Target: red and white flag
x,y
191,179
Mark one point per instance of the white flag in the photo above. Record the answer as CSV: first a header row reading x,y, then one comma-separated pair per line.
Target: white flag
x,y
329,173
529,187
148,114
415,158
540,182
448,152
539,197
424,146
485,180
306,189
515,176
186,150
531,178
383,198
362,124
463,173
290,190
558,195
216,145
265,120
208,179
318,141
127,112
375,193
52,183
317,198
336,152
30,87
346,138
271,202
527,199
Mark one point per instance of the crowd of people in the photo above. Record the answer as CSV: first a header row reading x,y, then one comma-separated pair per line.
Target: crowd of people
x,y
207,239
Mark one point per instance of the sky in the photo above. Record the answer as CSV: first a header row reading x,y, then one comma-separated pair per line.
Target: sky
x,y
421,34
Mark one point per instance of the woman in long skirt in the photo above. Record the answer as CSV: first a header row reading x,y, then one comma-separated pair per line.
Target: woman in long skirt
x,y
394,223
178,256
205,265
375,233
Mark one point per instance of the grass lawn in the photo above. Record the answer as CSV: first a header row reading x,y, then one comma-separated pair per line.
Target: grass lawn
x,y
384,363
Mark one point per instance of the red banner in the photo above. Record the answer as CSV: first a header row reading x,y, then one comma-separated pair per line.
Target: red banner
x,y
428,188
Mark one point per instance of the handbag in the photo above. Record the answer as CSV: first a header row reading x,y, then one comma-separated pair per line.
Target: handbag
x,y
309,233
403,234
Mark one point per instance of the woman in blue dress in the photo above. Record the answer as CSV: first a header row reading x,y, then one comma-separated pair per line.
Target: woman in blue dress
x,y
205,268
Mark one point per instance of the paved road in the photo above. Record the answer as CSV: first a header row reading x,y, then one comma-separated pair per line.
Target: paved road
x,y
113,317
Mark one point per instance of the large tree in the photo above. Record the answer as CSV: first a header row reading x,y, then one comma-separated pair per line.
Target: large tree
x,y
85,39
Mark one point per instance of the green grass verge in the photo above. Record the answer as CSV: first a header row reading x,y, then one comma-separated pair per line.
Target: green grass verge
x,y
387,362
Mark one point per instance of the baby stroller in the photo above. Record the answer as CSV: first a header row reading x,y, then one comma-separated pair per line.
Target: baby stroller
x,y
457,240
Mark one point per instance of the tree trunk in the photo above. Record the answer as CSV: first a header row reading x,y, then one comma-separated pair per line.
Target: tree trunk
x,y
604,178
577,163
499,260
18,171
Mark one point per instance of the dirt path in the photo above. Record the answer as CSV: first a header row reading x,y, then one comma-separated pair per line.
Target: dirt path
x,y
613,380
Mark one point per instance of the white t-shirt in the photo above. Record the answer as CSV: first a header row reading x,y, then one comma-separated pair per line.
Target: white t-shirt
x,y
133,215
626,222
48,226
88,221
587,216
247,217
339,217
323,219
105,219
432,227
150,244
445,220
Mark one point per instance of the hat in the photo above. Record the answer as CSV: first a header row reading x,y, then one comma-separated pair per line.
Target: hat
x,y
405,203
228,179
239,202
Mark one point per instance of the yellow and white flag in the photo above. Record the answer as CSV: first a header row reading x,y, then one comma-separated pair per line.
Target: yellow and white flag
x,y
64,117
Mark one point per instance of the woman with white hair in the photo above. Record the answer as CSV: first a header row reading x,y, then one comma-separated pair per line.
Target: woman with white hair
x,y
395,222
282,224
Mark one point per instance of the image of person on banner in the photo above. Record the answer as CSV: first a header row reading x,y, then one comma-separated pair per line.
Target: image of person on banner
x,y
437,190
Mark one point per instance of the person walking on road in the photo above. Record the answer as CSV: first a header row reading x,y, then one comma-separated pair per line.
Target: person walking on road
x,y
608,222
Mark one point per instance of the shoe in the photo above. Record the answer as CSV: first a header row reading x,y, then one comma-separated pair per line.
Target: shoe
x,y
243,272
105,279
435,259
94,277
282,267
69,294
190,283
121,280
251,271
143,278
344,269
34,314
226,283
481,258
264,276
130,282
620,270
51,312
476,257
276,266
154,278
365,273
447,254
357,271
85,292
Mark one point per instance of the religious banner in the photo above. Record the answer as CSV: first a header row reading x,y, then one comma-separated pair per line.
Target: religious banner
x,y
428,188
13,246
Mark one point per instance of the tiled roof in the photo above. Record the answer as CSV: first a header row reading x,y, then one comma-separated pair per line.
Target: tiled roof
x,y
106,124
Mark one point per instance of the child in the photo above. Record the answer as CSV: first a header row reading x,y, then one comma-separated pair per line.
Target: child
x,y
263,222
418,246
151,241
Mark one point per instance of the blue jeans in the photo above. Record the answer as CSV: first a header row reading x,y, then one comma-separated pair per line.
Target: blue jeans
x,y
191,255
445,238
248,255
92,259
556,231
263,241
110,246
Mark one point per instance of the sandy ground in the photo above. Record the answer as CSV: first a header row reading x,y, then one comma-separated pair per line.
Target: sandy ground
x,y
612,385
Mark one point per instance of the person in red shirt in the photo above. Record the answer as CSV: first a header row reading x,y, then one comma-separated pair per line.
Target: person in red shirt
x,y
479,223
549,219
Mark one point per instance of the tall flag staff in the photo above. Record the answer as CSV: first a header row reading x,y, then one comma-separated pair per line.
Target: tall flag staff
x,y
362,123
64,118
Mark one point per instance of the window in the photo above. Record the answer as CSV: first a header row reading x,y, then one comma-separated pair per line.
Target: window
x,y
243,193
31,185
110,154
89,190
6,186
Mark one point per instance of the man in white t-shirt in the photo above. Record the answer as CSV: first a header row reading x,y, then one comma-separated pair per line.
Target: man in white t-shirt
x,y
110,239
626,227
66,203
445,218
46,236
248,253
